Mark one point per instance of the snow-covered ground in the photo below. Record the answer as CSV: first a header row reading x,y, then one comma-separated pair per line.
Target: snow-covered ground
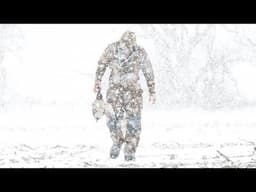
x,y
48,137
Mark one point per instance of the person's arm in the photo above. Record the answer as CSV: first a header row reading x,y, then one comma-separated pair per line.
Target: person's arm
x,y
105,58
149,76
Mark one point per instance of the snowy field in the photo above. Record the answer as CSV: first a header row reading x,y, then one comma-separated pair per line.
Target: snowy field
x,y
173,139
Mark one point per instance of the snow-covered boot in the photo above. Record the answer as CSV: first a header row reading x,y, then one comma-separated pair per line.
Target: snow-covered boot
x,y
129,157
115,150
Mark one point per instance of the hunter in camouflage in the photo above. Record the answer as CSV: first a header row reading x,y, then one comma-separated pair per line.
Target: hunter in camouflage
x,y
125,60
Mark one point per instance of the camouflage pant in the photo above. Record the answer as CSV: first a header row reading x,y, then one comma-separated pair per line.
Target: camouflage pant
x,y
127,105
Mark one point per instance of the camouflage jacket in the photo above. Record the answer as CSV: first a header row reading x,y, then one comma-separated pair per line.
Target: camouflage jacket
x,y
125,67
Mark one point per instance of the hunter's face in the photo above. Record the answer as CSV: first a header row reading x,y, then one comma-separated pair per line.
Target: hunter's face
x,y
129,39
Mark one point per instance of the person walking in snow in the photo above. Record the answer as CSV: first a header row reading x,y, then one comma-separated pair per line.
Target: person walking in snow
x,y
125,59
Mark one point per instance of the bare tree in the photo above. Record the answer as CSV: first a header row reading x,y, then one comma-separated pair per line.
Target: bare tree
x,y
193,67
215,86
176,45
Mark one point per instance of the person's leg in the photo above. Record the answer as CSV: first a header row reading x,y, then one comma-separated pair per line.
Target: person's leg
x,y
132,136
114,122
133,107
116,134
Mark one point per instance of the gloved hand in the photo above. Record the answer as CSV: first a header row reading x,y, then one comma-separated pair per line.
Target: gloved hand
x,y
152,98
97,86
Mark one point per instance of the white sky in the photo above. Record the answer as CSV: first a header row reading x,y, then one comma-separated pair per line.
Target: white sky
x,y
56,57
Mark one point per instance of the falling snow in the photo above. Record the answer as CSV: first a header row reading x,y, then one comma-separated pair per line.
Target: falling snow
x,y
205,98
